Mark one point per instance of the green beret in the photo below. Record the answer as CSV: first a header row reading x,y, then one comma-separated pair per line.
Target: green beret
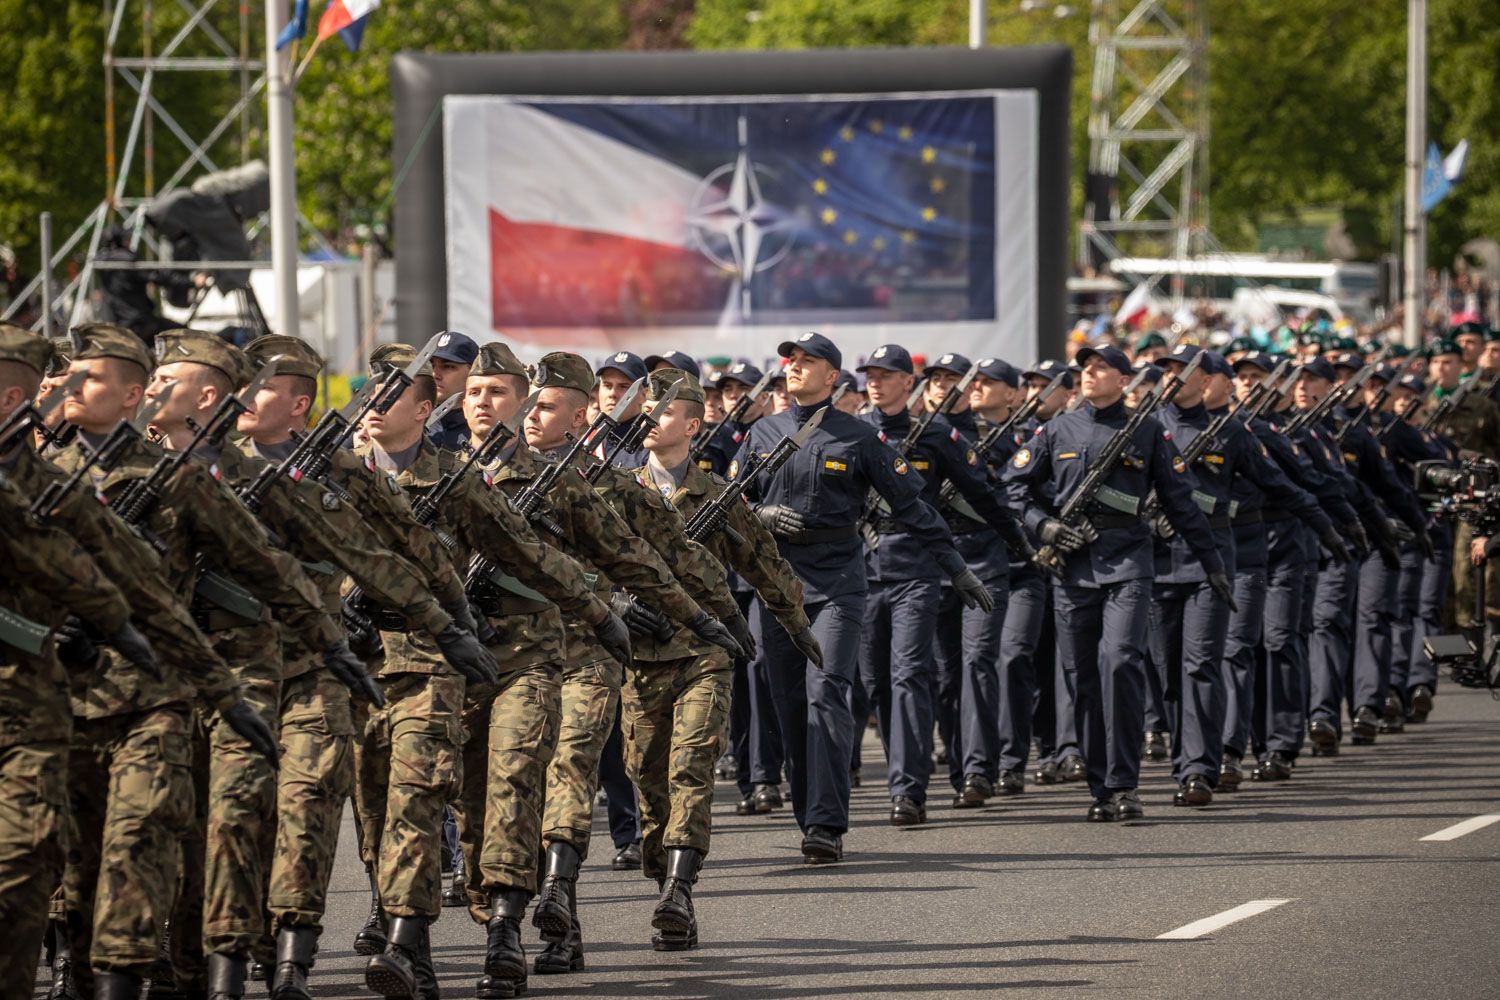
x,y
1470,327
106,340
21,345
659,381
1240,344
1444,346
393,356
1340,344
1146,341
203,349
294,356
561,370
497,359
1310,338
1398,351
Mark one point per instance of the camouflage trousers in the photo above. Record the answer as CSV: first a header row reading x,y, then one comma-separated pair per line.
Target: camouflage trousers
x,y
408,766
1463,580
512,735
675,719
131,797
590,698
33,818
317,776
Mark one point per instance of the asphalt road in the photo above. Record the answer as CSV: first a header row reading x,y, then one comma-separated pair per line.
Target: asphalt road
x,y
1025,899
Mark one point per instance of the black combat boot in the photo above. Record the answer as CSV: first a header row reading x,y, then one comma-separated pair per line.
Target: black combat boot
x,y
393,973
226,976
295,948
427,983
371,939
504,958
110,985
62,964
566,953
674,911
553,914
456,894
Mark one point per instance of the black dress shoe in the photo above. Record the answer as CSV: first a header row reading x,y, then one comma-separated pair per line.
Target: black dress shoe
x,y
1011,782
1072,768
976,790
1102,810
907,811
1127,805
1421,703
1394,719
768,798
1158,747
822,846
628,858
1276,767
726,767
1230,774
1046,773
1364,727
1194,791
853,778
746,806
1324,738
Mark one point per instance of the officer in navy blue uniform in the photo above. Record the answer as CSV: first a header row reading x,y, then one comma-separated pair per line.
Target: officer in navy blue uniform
x,y
738,379
1158,744
1367,678
1104,596
1190,615
1278,719
812,505
450,366
901,609
617,373
1037,690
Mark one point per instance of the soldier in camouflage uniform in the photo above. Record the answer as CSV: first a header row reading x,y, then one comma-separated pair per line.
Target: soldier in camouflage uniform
x,y
512,806
199,526
676,695
1474,425
410,764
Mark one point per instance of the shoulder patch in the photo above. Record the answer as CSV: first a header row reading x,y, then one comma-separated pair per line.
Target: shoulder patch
x,y
330,501
1022,459
1178,465
1166,435
900,466
973,456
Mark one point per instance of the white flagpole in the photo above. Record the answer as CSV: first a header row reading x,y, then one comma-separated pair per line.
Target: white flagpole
x,y
976,24
283,171
1415,252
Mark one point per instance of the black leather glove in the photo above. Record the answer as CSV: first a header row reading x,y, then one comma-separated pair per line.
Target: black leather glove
x,y
133,646
1424,545
364,637
615,638
1360,541
740,629
779,520
710,629
464,653
1385,543
1016,543
351,672
805,641
1335,544
253,730
75,646
1218,581
640,618
464,616
1163,528
972,591
1062,536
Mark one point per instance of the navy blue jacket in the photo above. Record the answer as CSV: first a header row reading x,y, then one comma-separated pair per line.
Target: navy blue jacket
x,y
1366,460
1287,537
452,432
827,481
1049,466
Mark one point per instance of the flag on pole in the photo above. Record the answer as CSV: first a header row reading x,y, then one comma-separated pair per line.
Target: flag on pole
x,y
296,28
346,18
1435,184
1135,307
1453,163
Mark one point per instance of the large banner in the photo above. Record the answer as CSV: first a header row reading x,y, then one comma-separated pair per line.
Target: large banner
x,y
722,225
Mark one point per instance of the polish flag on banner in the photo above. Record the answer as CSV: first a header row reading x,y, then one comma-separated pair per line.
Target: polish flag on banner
x,y
346,18
1136,307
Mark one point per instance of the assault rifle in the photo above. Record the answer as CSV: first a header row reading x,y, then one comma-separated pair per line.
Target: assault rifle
x,y
741,407
1401,416
996,434
1074,509
1365,413
1447,405
1336,397
644,424
874,505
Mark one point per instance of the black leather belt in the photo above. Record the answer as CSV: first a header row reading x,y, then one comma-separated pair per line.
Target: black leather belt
x,y
1219,522
389,621
1254,517
1106,520
818,536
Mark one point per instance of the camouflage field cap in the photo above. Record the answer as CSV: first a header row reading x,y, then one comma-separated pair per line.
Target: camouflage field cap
x,y
661,380
21,345
496,358
106,340
203,349
389,356
294,355
561,370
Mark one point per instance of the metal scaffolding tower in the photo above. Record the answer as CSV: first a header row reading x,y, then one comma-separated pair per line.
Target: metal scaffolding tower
x,y
1146,192
214,37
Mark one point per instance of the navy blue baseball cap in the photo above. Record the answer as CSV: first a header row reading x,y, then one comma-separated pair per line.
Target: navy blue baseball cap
x,y
1320,368
847,378
743,372
1049,370
1001,371
1215,364
1152,373
1260,359
817,345
1349,359
458,348
624,362
711,381
1414,382
891,357
1385,373
956,363
680,360
1112,356
1184,354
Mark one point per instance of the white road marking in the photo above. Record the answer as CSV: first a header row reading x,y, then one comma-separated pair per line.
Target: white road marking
x,y
1467,826
1200,928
